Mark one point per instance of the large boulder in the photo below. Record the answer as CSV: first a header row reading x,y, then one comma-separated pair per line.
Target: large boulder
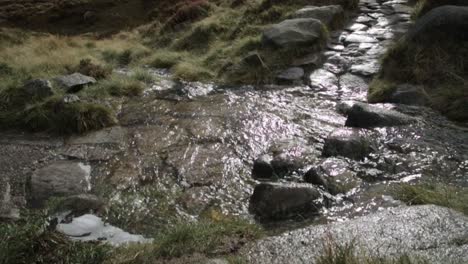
x,y
350,143
334,175
61,178
428,5
280,200
292,33
332,16
74,82
435,234
446,21
367,116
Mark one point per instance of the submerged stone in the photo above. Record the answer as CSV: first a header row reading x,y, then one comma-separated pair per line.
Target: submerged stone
x,y
334,175
348,142
367,116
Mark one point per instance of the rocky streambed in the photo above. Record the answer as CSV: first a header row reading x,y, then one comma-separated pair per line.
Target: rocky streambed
x,y
311,152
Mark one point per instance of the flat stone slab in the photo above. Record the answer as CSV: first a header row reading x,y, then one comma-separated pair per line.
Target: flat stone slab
x,y
74,82
427,231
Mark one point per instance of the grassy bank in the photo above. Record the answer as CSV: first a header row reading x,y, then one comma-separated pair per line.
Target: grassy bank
x,y
197,40
30,241
438,194
440,67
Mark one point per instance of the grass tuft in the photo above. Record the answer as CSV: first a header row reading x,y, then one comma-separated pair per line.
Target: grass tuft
x,y
438,194
54,115
350,253
30,241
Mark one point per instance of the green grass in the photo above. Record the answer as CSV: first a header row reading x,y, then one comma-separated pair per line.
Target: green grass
x,y
206,237
53,115
29,241
438,194
350,253
440,66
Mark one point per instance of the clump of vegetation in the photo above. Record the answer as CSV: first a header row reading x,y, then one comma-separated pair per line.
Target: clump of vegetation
x,y
424,6
87,67
438,194
350,253
55,115
206,237
440,66
30,241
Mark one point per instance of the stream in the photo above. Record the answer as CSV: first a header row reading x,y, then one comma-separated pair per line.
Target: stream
x,y
195,144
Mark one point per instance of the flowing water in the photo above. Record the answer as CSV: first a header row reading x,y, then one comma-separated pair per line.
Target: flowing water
x,y
195,144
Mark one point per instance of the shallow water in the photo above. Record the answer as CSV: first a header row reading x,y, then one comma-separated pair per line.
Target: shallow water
x,y
200,140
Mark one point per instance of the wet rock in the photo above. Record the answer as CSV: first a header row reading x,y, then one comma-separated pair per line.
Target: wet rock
x,y
262,168
351,143
195,199
426,232
364,19
294,32
61,178
337,64
80,204
374,175
279,201
367,68
284,164
351,83
334,175
292,75
332,15
91,228
451,21
324,80
343,107
360,38
38,88
74,82
311,60
357,27
367,116
409,95
111,135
